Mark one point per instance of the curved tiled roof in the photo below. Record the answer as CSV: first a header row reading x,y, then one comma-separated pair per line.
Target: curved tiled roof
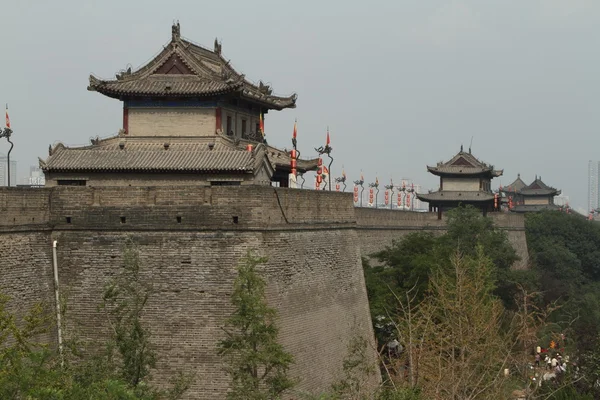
x,y
149,161
178,154
447,195
184,69
516,186
463,163
162,85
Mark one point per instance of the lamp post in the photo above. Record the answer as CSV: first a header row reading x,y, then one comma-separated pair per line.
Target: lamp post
x,y
342,180
376,186
360,183
390,187
327,150
5,133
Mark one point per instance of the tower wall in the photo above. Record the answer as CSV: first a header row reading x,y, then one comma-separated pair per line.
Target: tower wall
x,y
171,121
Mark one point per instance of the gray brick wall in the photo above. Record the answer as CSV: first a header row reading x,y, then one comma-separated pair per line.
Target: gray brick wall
x,y
190,240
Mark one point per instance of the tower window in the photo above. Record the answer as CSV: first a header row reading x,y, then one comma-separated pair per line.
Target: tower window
x,y
229,128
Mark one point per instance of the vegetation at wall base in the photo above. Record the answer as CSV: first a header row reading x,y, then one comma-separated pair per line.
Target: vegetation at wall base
x,y
556,301
257,364
121,369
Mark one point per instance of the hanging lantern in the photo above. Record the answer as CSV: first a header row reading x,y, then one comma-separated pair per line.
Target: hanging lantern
x,y
248,147
293,162
355,194
387,198
496,201
371,196
399,201
337,187
408,201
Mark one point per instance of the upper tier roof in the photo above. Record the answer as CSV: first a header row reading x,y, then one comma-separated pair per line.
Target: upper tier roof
x,y
516,186
184,69
464,163
539,188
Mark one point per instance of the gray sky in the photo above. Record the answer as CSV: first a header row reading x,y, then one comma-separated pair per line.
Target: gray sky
x,y
401,84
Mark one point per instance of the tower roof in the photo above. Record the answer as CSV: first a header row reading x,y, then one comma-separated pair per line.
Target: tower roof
x,y
177,155
539,188
516,186
464,163
184,69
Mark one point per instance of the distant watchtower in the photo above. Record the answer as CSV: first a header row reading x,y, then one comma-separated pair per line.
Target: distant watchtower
x,y
463,180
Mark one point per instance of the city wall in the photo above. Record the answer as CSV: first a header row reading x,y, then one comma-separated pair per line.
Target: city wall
x,y
377,229
190,241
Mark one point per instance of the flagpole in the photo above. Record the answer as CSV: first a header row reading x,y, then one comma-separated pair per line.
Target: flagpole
x,y
6,133
8,158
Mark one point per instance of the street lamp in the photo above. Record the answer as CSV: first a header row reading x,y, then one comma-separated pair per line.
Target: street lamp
x,y
391,188
376,186
342,180
360,183
5,133
327,150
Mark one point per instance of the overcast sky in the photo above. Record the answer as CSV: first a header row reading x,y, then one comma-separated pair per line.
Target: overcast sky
x,y
401,84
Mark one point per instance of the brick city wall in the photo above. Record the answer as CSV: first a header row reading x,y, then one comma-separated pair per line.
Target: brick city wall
x,y
377,228
190,240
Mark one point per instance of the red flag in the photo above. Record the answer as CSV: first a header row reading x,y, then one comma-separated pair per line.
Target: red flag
x,y
328,140
261,125
295,129
7,119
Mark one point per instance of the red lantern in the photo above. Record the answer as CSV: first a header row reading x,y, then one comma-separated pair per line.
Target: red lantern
x,y
337,187
387,198
496,201
408,201
319,179
293,154
371,196
249,147
399,200
356,194
294,163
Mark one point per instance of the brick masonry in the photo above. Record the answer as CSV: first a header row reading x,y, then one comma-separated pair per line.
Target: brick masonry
x,y
190,240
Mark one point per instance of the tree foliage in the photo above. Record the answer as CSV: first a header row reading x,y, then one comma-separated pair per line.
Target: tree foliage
x,y
455,347
257,364
410,262
124,300
30,369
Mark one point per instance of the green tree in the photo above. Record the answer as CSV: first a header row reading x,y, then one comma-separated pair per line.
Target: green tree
x,y
409,263
456,347
256,362
124,300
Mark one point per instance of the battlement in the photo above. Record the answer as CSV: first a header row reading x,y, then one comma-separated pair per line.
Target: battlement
x,y
125,208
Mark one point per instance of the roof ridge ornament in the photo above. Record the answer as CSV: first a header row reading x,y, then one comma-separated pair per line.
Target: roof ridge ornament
x,y
218,47
265,88
176,31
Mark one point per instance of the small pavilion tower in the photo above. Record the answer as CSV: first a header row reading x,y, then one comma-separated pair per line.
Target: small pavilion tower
x,y
463,180
536,197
